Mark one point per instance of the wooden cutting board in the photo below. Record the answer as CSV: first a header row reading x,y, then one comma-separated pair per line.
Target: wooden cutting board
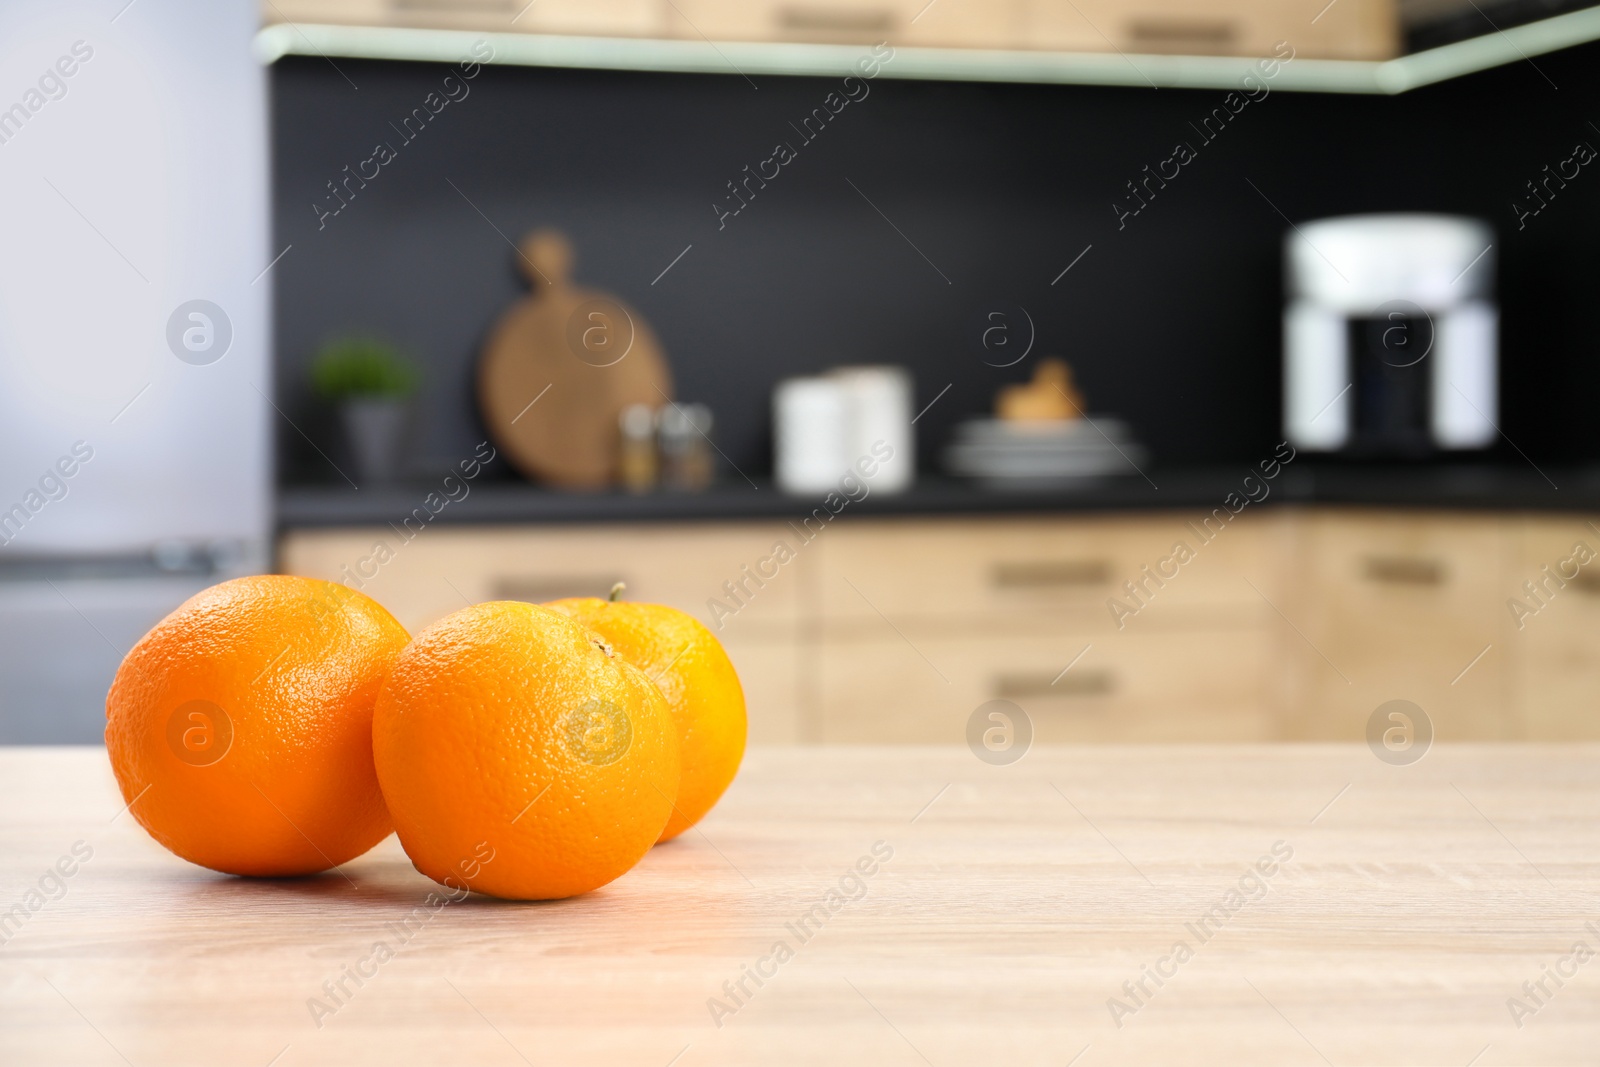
x,y
560,367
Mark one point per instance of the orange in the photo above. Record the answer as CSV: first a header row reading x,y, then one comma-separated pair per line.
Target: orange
x,y
689,665
521,756
240,727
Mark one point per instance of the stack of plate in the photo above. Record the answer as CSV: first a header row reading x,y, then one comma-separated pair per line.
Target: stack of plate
x,y
1016,454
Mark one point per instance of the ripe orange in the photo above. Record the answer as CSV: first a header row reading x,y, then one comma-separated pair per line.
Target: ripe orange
x,y
240,727
689,665
520,755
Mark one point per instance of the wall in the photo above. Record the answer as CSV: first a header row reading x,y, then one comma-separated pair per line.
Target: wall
x,y
1171,320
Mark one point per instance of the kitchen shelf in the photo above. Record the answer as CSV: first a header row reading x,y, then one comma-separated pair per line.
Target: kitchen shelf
x,y
1389,77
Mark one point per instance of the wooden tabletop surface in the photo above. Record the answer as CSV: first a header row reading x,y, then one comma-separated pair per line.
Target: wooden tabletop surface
x,y
1330,908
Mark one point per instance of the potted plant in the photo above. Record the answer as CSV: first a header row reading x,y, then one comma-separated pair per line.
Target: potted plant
x,y
371,384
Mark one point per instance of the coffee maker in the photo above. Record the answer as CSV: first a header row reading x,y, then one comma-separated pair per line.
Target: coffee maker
x,y
1390,336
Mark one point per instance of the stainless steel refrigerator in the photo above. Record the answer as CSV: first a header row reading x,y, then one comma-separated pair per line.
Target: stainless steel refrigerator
x,y
134,316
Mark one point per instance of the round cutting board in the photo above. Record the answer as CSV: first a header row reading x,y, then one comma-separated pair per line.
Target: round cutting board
x,y
560,367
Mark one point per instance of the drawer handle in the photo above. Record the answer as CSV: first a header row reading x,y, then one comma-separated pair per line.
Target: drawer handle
x,y
1167,35
1587,582
454,7
537,589
1051,574
1086,683
835,20
1404,570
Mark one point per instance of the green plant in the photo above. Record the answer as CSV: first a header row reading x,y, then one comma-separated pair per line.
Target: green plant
x,y
359,367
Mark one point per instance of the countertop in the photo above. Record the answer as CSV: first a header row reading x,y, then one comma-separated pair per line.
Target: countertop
x,y
1360,913
1474,486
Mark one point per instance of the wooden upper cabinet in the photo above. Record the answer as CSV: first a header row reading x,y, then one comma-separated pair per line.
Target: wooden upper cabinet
x,y
620,18
596,18
942,23
336,12
1347,29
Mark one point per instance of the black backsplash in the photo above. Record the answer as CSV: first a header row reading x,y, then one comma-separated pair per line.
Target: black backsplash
x,y
1171,322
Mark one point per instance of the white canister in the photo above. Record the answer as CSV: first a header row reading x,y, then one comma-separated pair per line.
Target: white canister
x,y
809,432
878,430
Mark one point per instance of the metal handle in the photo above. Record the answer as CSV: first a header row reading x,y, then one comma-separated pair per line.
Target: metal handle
x,y
540,588
454,7
867,21
1081,683
1051,574
1404,570
1587,582
1182,35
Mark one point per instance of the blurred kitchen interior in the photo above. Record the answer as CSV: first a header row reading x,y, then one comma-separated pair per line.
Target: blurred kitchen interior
x,y
1062,259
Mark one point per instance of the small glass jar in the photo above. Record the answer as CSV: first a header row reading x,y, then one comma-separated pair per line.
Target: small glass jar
x,y
638,465
686,453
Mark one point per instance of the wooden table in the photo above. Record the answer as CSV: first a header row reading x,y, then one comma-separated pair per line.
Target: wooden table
x,y
1413,905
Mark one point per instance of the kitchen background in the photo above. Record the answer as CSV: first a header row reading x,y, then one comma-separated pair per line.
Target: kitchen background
x,y
1171,323
988,168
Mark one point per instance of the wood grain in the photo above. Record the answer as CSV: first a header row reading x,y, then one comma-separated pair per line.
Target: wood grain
x,y
1018,900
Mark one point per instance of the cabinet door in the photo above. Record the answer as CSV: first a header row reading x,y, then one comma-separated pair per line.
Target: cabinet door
x,y
1154,686
612,18
1407,606
1349,29
709,571
959,23
944,23
773,20
769,672
1552,606
683,565
1017,574
336,12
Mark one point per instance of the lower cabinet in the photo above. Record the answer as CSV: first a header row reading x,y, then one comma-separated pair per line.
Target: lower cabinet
x,y
423,575
1551,607
1286,624
1149,687
1399,606
1099,628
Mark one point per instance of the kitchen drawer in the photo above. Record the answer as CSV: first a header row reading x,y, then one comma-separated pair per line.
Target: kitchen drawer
x,y
947,23
1348,29
1151,686
1021,573
959,24
1555,631
335,12
444,570
620,18
1400,606
600,17
682,565
447,14
770,671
